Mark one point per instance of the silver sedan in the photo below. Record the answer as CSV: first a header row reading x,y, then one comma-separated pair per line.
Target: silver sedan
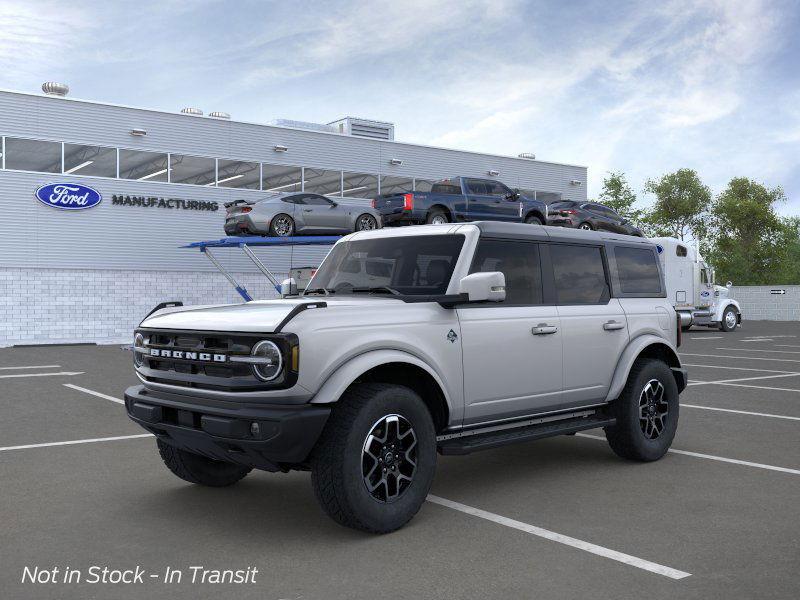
x,y
298,213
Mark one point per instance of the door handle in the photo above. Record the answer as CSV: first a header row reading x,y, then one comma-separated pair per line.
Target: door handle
x,y
613,326
308,210
544,329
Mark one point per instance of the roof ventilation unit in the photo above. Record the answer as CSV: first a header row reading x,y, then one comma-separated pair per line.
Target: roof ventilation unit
x,y
219,115
192,111
51,88
527,155
376,130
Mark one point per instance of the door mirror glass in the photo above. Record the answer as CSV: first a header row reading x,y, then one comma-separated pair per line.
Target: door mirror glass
x,y
484,287
729,285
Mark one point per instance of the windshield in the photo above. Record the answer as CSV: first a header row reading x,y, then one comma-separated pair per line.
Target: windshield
x,y
405,265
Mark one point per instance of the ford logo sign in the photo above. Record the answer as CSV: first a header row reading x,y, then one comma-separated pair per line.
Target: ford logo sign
x,y
705,294
68,196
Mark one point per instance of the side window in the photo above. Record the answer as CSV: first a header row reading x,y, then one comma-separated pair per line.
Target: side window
x,y
519,262
638,271
476,186
681,250
316,200
580,276
293,199
495,188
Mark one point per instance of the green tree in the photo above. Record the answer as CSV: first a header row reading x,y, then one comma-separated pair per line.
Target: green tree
x,y
681,205
617,194
750,243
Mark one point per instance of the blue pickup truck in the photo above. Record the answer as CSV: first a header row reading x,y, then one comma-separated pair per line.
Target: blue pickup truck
x,y
460,199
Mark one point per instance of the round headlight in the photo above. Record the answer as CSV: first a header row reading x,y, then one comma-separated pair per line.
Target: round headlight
x,y
270,367
138,342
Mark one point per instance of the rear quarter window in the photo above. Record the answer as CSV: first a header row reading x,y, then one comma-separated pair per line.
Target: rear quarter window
x,y
637,269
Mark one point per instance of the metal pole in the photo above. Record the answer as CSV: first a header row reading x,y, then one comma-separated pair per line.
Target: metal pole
x,y
261,266
242,291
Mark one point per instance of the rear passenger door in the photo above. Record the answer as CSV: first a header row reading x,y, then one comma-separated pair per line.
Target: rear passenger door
x,y
595,331
511,350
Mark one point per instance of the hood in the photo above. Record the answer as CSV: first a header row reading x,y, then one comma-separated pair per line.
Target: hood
x,y
261,316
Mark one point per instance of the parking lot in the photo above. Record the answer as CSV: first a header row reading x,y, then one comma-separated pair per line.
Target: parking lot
x,y
718,517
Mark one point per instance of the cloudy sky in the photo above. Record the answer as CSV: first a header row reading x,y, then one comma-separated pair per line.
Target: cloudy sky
x,y
641,87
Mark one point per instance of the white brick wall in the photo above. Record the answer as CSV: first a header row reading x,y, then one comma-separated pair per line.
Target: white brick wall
x,y
758,303
57,306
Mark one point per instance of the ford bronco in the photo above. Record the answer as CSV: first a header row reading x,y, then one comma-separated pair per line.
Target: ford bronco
x,y
412,341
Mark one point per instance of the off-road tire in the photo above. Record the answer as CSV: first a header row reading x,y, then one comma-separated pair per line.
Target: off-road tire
x,y
274,232
723,325
336,461
436,214
533,220
626,438
199,469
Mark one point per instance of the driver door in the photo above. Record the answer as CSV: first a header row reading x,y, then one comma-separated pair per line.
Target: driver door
x,y
321,214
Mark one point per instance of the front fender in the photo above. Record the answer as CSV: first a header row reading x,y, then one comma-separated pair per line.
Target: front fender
x,y
629,356
340,380
725,303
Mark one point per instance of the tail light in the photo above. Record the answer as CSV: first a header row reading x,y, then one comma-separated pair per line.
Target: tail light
x,y
408,201
679,329
247,209
566,213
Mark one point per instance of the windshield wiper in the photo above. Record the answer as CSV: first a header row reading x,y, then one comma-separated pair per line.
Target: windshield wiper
x,y
321,290
375,290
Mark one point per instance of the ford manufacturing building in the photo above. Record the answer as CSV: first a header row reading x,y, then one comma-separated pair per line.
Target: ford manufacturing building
x,y
90,275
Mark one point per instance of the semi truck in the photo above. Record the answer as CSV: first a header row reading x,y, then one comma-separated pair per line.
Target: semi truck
x,y
692,289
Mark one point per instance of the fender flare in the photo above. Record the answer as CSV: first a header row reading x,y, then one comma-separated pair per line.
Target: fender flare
x,y
723,305
333,387
629,356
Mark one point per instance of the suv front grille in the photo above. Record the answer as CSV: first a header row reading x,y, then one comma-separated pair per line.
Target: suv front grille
x,y
198,363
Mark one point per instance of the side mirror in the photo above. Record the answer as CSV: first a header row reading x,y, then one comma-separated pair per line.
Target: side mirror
x,y
334,204
483,287
288,287
729,285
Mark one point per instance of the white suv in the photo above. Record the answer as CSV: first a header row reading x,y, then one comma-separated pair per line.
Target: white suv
x,y
479,335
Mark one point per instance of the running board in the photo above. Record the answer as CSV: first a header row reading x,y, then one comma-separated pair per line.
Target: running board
x,y
467,444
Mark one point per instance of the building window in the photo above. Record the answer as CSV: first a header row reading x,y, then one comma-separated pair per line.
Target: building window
x,y
280,178
359,185
396,185
144,166
321,181
33,155
237,174
194,170
423,185
96,161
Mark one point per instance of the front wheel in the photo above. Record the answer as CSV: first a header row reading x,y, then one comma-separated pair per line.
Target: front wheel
x,y
199,469
729,320
646,413
281,226
374,462
366,223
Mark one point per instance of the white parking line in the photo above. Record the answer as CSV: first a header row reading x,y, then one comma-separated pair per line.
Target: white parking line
x,y
759,350
712,457
760,387
561,539
787,346
737,368
31,367
742,379
740,357
741,412
93,393
758,340
711,337
40,374
72,442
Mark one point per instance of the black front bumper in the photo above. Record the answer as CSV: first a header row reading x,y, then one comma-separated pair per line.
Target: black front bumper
x,y
269,437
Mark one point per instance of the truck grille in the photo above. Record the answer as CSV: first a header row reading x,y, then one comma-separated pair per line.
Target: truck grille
x,y
203,360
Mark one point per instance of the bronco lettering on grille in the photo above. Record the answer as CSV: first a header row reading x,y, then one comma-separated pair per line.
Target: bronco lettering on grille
x,y
201,356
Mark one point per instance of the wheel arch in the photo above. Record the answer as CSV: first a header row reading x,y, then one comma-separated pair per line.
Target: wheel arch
x,y
723,306
646,346
444,208
535,212
391,366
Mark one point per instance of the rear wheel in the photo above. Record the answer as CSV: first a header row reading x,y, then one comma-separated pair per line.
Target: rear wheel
x,y
729,320
366,223
646,413
533,220
586,226
281,226
436,216
374,463
199,469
